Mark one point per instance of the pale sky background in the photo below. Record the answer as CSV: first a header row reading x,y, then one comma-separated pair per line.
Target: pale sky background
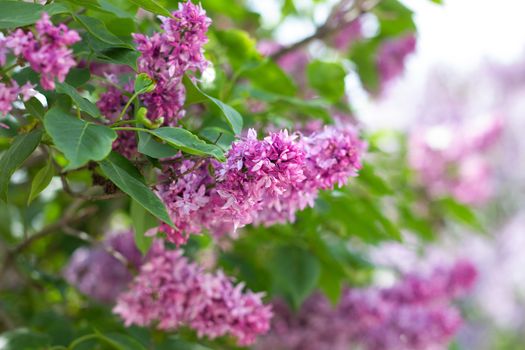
x,y
460,34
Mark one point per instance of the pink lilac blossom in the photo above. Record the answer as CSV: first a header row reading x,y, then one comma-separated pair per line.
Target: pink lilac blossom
x,y
414,314
332,156
48,52
262,182
9,94
449,159
111,104
167,56
96,273
344,38
392,56
171,292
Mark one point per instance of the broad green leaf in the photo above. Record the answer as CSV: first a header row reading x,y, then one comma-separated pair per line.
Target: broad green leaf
x,y
118,11
219,136
295,273
187,142
180,344
363,54
142,221
98,29
80,141
42,179
152,6
84,104
240,47
195,95
153,148
35,108
327,78
78,76
144,84
15,14
123,174
22,147
373,182
24,339
120,56
120,341
461,213
270,77
395,19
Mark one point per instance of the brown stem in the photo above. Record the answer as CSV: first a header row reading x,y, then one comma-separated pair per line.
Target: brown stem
x,y
358,8
70,217
114,253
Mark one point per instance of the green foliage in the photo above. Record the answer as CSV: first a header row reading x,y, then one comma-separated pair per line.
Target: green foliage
x,y
295,273
98,29
196,95
15,14
12,159
123,174
327,78
80,141
41,180
142,221
81,102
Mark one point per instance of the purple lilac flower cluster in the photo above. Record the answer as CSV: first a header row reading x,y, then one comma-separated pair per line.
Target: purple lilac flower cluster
x,y
98,274
111,103
47,52
168,55
392,56
415,314
449,159
262,182
171,292
10,93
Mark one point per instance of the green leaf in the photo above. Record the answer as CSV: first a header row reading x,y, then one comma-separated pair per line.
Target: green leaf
x,y
144,84
363,54
15,14
98,29
240,47
78,76
188,142
120,56
223,138
373,182
153,148
120,341
395,19
270,77
152,6
42,179
142,221
461,213
327,78
80,141
22,147
83,103
24,339
195,95
295,273
35,108
179,344
123,174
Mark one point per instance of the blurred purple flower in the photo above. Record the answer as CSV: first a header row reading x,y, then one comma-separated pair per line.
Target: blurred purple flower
x,y
98,274
171,292
391,57
414,314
